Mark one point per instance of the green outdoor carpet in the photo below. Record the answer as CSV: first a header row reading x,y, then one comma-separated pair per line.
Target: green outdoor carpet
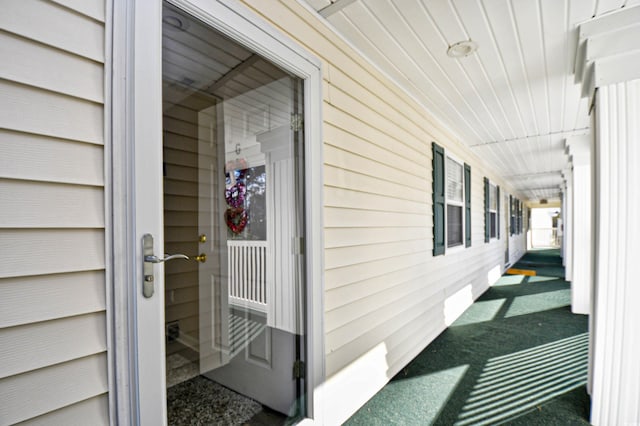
x,y
517,356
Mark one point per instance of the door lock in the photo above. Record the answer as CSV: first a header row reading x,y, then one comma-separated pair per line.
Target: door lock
x,y
200,258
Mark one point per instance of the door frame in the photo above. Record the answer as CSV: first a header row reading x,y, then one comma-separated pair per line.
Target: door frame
x,y
133,129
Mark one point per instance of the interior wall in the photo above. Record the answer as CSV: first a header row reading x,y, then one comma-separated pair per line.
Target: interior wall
x,y
180,151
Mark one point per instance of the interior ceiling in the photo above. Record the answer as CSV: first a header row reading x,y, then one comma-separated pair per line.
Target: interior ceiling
x,y
513,101
197,59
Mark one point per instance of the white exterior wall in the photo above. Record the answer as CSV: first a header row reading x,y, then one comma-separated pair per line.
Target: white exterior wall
x,y
53,364
386,296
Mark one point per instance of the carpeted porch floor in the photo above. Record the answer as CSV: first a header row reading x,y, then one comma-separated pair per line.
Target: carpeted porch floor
x,y
517,356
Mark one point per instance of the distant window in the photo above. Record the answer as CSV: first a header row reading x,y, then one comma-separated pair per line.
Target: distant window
x,y
493,211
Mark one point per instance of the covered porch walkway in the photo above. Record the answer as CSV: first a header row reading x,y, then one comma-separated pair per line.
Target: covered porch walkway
x,y
516,356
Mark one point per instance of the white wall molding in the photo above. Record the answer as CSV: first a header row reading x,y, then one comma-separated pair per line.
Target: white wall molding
x,y
579,147
616,341
607,50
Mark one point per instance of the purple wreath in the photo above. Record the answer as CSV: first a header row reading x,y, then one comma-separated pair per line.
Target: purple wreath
x,y
235,195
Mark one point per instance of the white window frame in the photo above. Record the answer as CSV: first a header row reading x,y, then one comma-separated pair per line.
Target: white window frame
x,y
126,26
447,202
493,194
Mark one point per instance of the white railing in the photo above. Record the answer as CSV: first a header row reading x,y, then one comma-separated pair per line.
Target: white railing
x,y
247,262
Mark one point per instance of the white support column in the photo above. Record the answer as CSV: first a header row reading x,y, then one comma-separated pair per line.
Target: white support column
x,y
616,375
568,226
608,67
579,147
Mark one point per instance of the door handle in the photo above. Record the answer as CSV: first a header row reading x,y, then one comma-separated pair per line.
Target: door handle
x,y
148,259
152,258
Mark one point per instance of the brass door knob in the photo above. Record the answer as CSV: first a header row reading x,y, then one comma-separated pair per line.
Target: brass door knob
x,y
200,258
202,238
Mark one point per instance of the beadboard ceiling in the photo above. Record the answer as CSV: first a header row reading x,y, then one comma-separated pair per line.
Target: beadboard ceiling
x,y
513,101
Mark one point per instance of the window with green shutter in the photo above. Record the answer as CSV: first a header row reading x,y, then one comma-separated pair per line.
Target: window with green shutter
x,y
491,211
451,202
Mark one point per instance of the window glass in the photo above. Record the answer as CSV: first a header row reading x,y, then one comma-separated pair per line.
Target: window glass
x,y
494,224
455,191
454,225
454,180
493,197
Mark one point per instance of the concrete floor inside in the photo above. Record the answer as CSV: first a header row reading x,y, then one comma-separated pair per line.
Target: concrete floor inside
x,y
517,356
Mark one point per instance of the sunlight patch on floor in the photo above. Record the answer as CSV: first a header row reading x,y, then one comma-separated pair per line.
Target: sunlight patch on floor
x,y
540,278
509,280
481,311
531,303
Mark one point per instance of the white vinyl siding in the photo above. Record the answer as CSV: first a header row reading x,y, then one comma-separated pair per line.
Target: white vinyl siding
x,y
53,341
384,291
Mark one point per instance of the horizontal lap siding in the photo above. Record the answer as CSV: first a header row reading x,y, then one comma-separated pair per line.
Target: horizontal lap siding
x,y
53,360
383,288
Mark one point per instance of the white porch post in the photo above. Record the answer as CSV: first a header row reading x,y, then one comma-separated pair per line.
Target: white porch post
x,y
579,147
608,66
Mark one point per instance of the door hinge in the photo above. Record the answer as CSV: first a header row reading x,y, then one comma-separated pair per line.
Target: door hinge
x,y
298,369
296,122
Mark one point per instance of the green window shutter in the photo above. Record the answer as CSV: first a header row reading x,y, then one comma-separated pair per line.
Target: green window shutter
x,y
498,211
438,199
487,215
467,205
520,217
517,216
512,221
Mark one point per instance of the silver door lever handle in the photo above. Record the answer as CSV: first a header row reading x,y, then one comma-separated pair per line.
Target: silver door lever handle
x,y
152,258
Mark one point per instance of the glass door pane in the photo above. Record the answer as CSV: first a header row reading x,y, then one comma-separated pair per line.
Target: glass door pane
x,y
233,191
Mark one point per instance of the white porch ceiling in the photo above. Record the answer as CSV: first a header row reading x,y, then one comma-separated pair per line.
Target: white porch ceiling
x,y
513,101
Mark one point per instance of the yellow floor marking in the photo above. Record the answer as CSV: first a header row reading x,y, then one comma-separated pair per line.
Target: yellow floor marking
x,y
528,272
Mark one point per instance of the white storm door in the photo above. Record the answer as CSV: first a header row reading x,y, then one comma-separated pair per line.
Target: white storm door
x,y
145,127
